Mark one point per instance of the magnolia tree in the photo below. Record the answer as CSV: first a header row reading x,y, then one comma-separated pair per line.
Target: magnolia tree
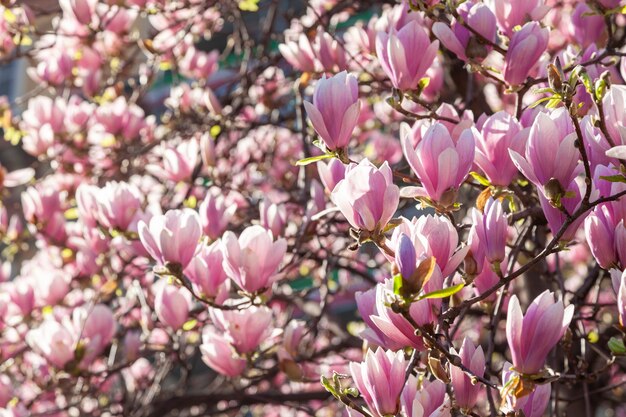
x,y
282,208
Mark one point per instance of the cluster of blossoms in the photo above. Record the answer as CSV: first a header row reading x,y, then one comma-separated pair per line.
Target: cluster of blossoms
x,y
254,207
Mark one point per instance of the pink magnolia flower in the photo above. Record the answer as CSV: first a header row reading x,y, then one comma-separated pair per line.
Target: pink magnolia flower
x,y
219,355
244,329
117,119
172,237
252,260
440,164
332,172
171,304
473,358
80,10
512,13
367,196
273,217
114,206
433,236
53,341
335,109
54,67
430,400
491,229
586,26
198,64
457,38
296,337
41,122
550,153
526,47
392,330
555,216
531,337
216,211
614,105
15,178
299,53
620,243
486,278
22,296
406,257
600,231
396,53
380,380
621,300
96,327
42,208
6,390
179,161
52,288
330,55
206,273
532,405
499,133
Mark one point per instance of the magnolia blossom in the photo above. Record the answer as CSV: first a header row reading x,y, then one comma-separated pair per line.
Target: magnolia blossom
x,y
440,164
218,354
550,154
172,305
335,109
460,40
332,172
380,380
171,238
252,260
490,229
216,211
115,206
532,405
524,50
473,358
433,236
54,341
206,272
512,13
531,337
367,196
389,329
499,133
395,51
431,400
244,329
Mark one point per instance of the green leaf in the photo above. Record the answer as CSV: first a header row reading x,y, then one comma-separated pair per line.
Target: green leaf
x,y
614,178
307,161
190,324
249,5
543,90
616,345
393,223
600,89
512,205
329,387
538,102
481,180
443,293
575,75
553,103
397,284
353,392
423,83
587,82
